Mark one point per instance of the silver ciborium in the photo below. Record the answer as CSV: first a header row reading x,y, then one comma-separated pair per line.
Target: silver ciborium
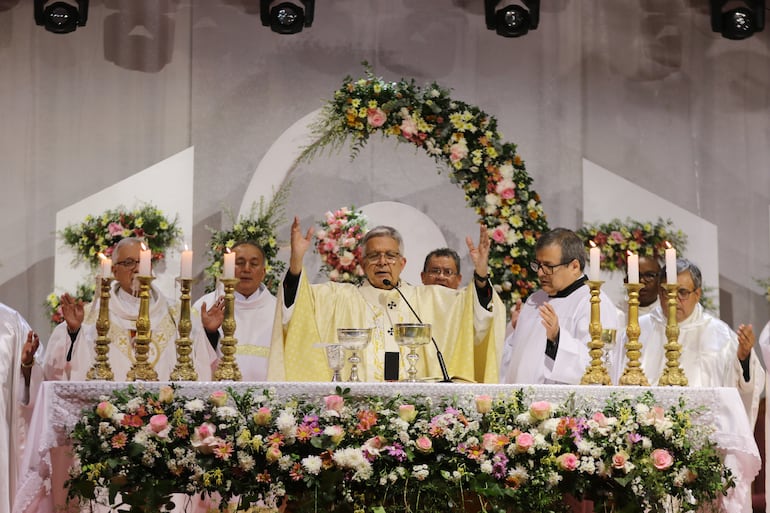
x,y
354,340
411,336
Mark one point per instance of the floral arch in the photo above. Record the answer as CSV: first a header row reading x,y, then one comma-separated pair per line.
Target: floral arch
x,y
458,136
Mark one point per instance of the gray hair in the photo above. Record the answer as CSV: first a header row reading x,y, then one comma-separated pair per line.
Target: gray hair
x,y
128,241
384,231
572,247
682,265
442,252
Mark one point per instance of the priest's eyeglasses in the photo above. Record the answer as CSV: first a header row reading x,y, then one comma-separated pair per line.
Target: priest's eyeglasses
x,y
547,269
683,294
435,271
389,256
128,263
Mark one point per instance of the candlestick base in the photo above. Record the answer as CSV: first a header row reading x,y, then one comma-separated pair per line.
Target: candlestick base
x,y
142,370
673,374
228,370
596,373
633,373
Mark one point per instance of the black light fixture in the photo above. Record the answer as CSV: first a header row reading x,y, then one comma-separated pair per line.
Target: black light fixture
x,y
737,19
286,17
61,17
513,20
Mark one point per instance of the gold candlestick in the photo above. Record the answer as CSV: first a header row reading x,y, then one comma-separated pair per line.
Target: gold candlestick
x,y
142,370
633,373
596,373
673,374
228,370
101,368
184,369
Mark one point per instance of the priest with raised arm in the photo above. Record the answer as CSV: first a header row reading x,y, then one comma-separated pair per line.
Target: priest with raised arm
x,y
466,323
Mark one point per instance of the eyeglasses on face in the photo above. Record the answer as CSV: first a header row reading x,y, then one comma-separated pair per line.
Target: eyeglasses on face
x,y
128,263
682,294
547,269
436,271
389,256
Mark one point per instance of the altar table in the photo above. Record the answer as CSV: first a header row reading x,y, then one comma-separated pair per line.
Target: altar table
x,y
59,404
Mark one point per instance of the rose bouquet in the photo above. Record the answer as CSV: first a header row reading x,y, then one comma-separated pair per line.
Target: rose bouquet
x,y
338,242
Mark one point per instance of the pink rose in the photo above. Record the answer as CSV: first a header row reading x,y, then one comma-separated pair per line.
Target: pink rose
x,y
540,410
347,259
408,128
115,229
158,423
407,413
567,461
619,460
273,454
105,409
334,402
600,419
263,416
483,403
457,152
423,444
499,234
491,442
661,459
524,442
205,430
203,438
218,398
376,117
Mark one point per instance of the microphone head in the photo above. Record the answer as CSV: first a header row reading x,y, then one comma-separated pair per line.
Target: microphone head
x,y
387,282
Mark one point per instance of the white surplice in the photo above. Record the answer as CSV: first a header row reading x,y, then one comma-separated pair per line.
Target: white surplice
x,y
709,356
17,400
124,309
524,359
253,329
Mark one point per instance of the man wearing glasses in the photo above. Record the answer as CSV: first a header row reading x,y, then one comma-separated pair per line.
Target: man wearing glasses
x,y
712,355
442,267
550,330
70,352
465,323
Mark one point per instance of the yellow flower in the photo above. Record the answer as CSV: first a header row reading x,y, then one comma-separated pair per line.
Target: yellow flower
x,y
138,222
163,225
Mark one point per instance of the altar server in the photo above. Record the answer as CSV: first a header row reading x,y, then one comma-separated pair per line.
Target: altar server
x,y
254,312
466,324
549,341
70,352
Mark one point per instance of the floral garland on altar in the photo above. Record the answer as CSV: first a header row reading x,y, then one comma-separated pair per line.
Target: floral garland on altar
x,y
645,238
397,454
460,137
338,242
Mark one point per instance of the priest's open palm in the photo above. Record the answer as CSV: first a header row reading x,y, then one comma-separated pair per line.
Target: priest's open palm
x,y
299,245
480,254
213,316
73,312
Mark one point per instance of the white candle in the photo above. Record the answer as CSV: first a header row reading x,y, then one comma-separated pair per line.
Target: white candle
x,y
633,267
595,261
145,256
186,268
670,265
229,267
106,266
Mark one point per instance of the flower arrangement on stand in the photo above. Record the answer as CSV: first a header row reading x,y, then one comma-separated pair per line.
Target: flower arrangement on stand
x,y
645,238
394,453
461,138
259,226
338,242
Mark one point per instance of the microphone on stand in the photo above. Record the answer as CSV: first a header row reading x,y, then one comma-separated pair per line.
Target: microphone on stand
x,y
439,356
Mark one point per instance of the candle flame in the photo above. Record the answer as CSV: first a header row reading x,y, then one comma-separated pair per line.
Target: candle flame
x,y
101,256
592,243
227,250
186,248
144,248
629,252
668,245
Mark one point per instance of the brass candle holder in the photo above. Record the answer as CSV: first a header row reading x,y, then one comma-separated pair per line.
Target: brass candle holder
x,y
228,370
596,373
142,370
633,373
673,374
101,369
184,369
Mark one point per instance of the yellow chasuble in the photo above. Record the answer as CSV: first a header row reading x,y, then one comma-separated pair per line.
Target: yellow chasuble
x,y
468,335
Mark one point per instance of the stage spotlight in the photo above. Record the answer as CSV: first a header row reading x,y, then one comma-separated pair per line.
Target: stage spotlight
x,y
737,19
61,17
286,17
513,20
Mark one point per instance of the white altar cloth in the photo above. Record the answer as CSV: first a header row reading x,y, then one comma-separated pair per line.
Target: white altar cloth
x,y
59,404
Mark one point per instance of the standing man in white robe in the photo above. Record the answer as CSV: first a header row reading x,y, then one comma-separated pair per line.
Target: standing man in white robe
x,y
254,312
21,374
549,341
465,323
712,354
70,352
